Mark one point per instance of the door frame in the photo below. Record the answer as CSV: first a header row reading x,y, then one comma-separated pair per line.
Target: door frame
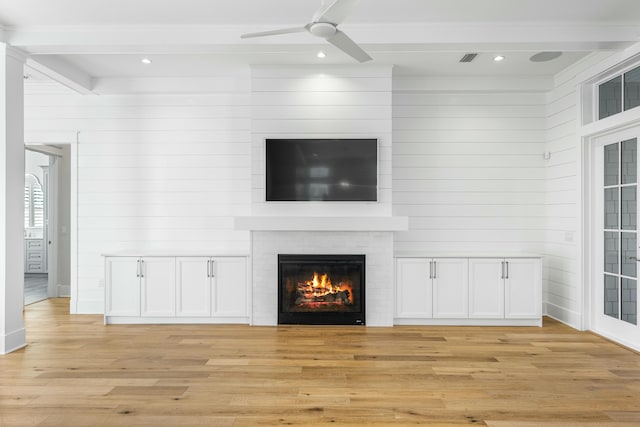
x,y
49,146
589,247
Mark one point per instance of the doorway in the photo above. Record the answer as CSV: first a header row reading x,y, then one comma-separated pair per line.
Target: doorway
x,y
614,234
47,208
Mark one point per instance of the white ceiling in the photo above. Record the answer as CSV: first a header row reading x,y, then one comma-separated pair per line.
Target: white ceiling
x,y
93,39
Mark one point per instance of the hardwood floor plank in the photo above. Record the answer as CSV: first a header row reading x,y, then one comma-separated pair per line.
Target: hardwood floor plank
x,y
78,372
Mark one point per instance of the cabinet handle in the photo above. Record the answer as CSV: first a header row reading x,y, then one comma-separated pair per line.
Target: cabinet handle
x,y
142,268
430,269
208,268
435,269
138,269
502,270
212,264
507,264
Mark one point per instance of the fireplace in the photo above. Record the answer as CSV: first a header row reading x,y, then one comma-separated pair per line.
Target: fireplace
x,y
321,289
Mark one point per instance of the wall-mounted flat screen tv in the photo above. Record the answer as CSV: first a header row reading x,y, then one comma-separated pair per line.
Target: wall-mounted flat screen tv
x,y
335,170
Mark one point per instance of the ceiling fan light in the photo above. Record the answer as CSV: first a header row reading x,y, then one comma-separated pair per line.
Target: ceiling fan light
x,y
321,54
146,61
498,58
323,29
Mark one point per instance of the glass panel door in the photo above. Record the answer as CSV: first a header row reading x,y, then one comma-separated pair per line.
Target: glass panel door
x,y
620,282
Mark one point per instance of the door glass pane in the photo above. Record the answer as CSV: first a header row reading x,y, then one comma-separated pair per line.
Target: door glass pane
x,y
611,254
629,301
629,262
629,161
611,164
610,98
611,208
628,208
632,88
611,296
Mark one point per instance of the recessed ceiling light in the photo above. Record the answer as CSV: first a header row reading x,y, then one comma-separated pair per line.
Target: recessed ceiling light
x,y
321,54
498,58
146,61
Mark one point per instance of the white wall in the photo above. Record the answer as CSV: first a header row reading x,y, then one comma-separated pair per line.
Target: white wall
x,y
563,291
170,171
468,165
165,171
321,102
33,162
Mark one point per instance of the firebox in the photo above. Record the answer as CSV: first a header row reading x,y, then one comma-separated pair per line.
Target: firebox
x,y
321,289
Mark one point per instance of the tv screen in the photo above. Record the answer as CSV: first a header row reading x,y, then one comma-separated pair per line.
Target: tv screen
x,y
334,170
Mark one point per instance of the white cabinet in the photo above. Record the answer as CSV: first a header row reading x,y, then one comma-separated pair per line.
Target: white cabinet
x,y
523,293
211,286
140,286
157,286
193,287
506,288
431,287
468,291
229,276
486,288
167,289
122,277
34,256
413,288
450,287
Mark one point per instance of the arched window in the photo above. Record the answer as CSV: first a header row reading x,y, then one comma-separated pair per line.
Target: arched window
x,y
33,202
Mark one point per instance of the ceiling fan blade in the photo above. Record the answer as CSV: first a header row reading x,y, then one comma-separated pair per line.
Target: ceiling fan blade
x,y
348,46
334,11
274,32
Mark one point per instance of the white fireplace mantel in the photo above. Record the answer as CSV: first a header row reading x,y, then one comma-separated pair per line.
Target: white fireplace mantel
x,y
324,223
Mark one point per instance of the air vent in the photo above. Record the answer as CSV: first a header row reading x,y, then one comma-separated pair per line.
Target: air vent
x,y
468,57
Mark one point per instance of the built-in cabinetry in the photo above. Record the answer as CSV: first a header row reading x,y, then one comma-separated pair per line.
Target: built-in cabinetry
x,y
211,286
34,256
468,291
167,289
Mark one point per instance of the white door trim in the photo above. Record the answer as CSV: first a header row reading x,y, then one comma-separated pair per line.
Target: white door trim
x,y
36,142
591,284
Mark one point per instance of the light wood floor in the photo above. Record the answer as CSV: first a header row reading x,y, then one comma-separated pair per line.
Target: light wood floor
x,y
78,372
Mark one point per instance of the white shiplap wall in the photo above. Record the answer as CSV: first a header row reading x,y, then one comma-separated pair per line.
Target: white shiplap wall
x,y
171,171
468,167
321,102
163,172
563,293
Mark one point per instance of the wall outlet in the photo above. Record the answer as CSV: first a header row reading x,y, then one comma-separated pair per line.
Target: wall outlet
x,y
568,236
101,283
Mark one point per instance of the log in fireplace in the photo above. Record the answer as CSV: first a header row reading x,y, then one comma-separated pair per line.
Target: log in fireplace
x,y
321,289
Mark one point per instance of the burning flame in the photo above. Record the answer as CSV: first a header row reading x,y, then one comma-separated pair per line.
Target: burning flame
x,y
321,285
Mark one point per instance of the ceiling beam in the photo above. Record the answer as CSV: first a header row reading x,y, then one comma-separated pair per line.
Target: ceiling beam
x,y
62,72
204,38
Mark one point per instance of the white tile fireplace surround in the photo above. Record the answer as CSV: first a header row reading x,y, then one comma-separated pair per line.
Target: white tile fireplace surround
x,y
270,237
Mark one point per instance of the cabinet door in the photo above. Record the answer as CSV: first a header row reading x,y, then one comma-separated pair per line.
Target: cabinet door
x,y
450,288
157,281
193,287
122,286
523,289
486,288
229,282
413,288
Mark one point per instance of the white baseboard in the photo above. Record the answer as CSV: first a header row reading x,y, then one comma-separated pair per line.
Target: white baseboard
x,y
13,341
89,307
561,314
64,291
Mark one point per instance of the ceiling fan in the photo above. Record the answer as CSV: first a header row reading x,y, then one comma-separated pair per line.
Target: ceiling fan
x,y
324,24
